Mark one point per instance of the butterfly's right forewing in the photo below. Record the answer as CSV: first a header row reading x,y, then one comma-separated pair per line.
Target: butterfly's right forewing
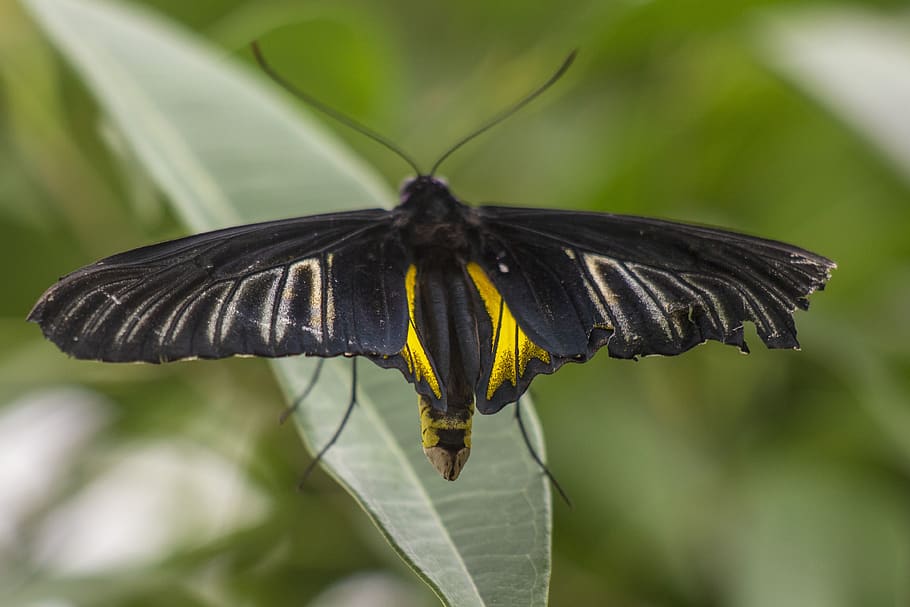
x,y
577,282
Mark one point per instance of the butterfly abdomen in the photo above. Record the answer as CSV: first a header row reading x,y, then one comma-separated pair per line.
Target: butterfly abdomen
x,y
446,435
444,330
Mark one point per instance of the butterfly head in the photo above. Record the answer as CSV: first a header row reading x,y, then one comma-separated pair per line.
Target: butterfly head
x,y
432,211
421,186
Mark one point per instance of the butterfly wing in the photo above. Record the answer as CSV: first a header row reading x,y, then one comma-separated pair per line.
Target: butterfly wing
x,y
322,285
576,282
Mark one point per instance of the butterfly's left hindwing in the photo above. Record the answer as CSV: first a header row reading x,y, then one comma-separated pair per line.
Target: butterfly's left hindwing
x,y
322,285
414,359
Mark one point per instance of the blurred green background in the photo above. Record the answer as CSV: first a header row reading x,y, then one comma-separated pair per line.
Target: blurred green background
x,y
775,479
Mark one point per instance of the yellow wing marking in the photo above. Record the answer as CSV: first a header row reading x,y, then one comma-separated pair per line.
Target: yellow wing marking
x,y
413,353
512,349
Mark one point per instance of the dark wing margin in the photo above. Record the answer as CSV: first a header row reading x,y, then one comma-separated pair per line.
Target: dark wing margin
x,y
322,285
579,281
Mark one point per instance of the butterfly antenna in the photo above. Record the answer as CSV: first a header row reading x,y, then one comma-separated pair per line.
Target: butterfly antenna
x,y
328,111
290,410
511,110
344,421
546,471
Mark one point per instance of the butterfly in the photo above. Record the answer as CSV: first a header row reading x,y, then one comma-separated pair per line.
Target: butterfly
x,y
469,303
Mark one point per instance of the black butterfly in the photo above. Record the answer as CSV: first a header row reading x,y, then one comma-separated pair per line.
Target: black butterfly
x,y
469,303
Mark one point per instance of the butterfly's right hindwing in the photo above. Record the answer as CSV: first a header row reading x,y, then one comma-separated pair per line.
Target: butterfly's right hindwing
x,y
323,285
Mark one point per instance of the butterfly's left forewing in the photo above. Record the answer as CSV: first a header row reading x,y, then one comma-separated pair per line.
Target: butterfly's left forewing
x,y
323,285
575,282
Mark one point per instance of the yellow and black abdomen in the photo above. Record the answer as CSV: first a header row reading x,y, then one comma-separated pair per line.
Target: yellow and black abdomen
x,y
443,356
446,435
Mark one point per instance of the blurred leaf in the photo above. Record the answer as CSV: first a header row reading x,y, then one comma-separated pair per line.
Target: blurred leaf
x,y
226,150
374,589
855,62
813,536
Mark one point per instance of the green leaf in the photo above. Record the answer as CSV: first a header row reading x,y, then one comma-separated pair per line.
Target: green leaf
x,y
226,148
857,63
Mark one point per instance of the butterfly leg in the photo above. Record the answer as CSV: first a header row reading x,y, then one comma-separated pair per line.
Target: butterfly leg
x,y
306,392
344,421
546,471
